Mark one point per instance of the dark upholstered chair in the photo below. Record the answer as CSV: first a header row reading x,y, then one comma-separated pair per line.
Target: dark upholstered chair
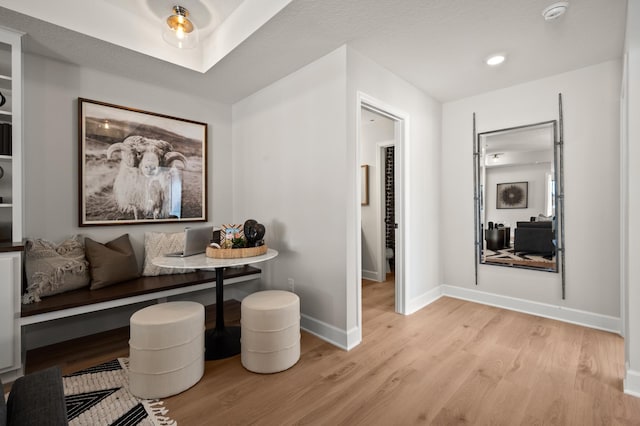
x,y
36,399
534,237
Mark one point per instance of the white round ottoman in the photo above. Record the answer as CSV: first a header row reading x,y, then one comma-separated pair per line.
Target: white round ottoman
x,y
270,331
166,349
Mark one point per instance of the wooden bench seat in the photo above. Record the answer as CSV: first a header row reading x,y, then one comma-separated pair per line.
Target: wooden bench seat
x,y
141,289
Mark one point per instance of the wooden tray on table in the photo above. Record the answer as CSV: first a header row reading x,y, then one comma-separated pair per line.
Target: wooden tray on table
x,y
219,253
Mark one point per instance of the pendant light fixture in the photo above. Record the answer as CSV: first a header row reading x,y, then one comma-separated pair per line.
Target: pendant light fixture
x,y
555,10
179,31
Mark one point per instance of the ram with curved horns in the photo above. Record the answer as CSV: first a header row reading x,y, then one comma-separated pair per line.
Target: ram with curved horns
x,y
143,185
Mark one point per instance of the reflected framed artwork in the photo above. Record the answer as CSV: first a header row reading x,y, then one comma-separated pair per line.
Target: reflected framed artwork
x,y
364,185
513,195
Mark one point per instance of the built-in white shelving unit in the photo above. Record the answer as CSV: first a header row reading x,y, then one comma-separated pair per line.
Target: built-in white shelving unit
x,y
11,213
11,129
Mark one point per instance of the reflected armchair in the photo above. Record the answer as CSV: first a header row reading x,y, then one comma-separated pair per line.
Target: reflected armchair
x,y
534,237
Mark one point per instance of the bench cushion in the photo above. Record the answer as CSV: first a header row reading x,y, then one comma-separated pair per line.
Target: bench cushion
x,y
135,287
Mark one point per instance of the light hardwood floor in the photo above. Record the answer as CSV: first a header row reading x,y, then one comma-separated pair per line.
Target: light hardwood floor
x,y
453,362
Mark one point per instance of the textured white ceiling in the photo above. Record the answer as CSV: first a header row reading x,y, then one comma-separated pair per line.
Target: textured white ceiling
x,y
437,45
137,24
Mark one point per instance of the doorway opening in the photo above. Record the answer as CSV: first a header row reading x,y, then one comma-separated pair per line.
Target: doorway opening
x,y
387,155
377,210
380,142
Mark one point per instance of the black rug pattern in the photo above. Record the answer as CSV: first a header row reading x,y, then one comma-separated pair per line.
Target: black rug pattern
x,y
100,396
509,254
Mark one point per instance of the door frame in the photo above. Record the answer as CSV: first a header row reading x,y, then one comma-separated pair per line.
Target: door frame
x,y
401,132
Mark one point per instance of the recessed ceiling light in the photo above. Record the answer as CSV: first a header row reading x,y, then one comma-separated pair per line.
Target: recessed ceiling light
x,y
555,10
496,59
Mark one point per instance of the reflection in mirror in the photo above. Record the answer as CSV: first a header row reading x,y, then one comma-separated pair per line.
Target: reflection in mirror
x,y
516,179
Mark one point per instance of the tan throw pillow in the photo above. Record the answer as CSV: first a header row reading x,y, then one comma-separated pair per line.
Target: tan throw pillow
x,y
54,268
112,262
158,244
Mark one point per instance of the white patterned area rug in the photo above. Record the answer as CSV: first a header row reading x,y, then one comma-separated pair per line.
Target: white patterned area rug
x,y
100,396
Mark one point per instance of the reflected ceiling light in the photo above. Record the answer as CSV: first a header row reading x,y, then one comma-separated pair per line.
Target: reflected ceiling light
x,y
555,10
179,31
496,59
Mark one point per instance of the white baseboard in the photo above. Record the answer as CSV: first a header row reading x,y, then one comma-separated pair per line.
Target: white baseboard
x,y
632,383
556,312
370,275
349,339
420,302
10,377
346,340
354,338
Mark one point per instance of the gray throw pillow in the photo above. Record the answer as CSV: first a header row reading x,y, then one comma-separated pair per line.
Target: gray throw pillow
x,y
54,268
112,262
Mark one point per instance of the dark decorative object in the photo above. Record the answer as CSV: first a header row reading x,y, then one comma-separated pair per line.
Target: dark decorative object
x,y
6,136
238,243
260,236
254,232
495,239
512,195
3,100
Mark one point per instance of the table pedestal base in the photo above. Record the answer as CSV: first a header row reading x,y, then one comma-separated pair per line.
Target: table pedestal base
x,y
222,343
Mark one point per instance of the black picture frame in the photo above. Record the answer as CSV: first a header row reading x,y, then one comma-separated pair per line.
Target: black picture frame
x,y
138,167
512,195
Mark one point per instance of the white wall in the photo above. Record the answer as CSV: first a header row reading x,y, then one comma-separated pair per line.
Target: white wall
x,y
421,175
295,169
631,199
51,91
372,135
289,173
591,131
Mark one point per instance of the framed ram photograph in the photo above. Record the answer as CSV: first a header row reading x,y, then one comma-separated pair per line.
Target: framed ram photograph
x,y
139,167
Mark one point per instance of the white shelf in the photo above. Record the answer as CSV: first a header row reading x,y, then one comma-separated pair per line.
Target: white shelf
x,y
11,85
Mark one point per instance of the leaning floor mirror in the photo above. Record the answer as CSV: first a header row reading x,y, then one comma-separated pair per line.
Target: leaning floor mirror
x,y
519,196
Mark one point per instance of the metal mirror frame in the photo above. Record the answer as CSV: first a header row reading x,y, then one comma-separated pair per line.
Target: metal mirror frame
x,y
558,158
